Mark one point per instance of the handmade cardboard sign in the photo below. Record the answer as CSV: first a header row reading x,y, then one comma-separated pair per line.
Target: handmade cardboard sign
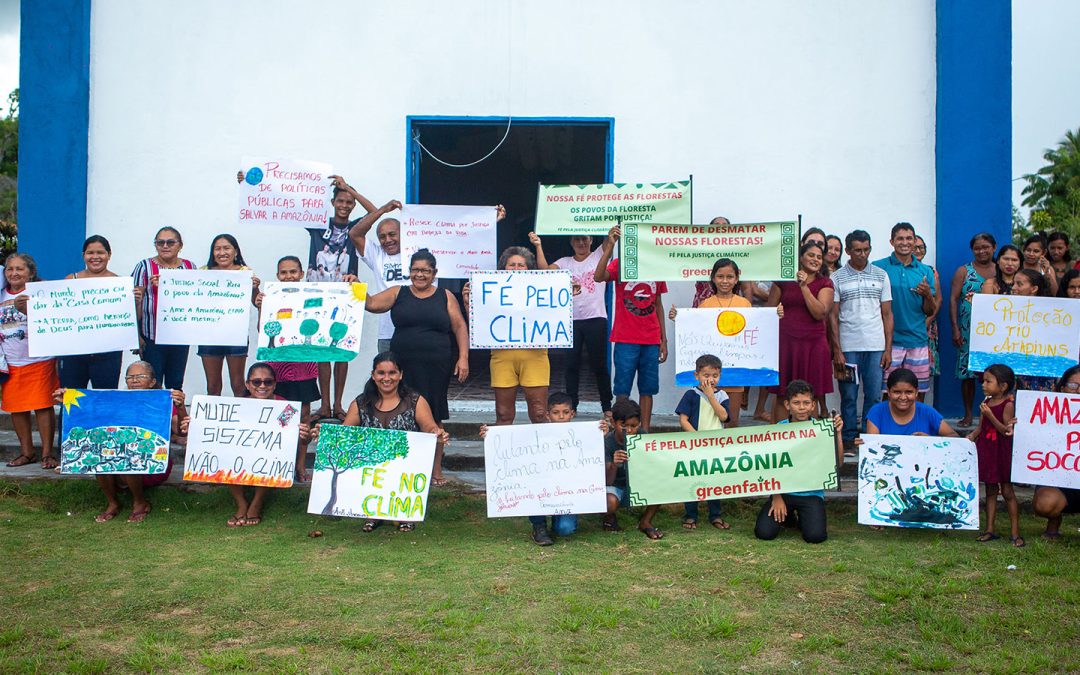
x,y
279,191
657,252
81,316
462,238
918,481
514,309
362,472
545,469
307,321
107,431
595,209
199,307
746,340
1032,335
242,441
1046,440
742,462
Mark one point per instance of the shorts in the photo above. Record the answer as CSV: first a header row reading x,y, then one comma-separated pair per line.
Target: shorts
x,y
915,359
640,360
620,493
520,367
1072,500
210,350
304,391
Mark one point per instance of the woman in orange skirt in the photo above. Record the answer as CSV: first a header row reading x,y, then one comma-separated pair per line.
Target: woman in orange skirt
x,y
32,379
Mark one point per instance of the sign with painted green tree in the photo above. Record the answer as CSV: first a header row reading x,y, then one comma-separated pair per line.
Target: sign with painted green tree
x,y
726,463
595,209
311,321
363,472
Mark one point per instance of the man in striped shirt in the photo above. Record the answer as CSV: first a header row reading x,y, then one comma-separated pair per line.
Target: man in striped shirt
x,y
862,323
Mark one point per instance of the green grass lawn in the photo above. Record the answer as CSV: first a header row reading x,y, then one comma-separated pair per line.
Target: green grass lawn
x,y
182,592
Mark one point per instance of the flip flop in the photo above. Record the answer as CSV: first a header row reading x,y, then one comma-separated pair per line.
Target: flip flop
x,y
611,525
139,516
1051,536
105,516
987,536
720,524
252,521
49,463
438,482
689,523
653,533
235,521
340,415
370,525
406,527
1018,542
21,460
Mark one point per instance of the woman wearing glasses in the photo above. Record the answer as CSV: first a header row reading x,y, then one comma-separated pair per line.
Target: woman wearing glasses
x,y
426,318
168,361
140,375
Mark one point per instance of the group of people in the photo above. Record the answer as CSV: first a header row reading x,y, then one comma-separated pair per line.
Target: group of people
x,y
853,322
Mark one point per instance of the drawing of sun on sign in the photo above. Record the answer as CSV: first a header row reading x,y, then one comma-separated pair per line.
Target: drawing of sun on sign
x,y
311,321
115,432
746,340
919,482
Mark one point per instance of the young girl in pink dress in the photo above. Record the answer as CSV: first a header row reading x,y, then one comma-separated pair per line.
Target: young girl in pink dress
x,y
993,441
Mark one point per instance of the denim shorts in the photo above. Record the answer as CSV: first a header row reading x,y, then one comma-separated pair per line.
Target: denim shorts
x,y
640,360
209,350
624,500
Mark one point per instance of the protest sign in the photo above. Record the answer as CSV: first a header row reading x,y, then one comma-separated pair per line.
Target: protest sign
x,y
310,321
276,191
746,340
81,316
242,441
108,431
680,252
1032,335
755,461
364,472
1046,440
595,209
201,307
545,469
515,309
918,481
462,238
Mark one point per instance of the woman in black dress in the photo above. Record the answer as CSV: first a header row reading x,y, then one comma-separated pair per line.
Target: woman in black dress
x,y
426,318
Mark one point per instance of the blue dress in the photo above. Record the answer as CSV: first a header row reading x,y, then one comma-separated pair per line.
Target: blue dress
x,y
973,282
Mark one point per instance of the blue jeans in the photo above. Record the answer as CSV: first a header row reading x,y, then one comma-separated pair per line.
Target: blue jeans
x,y
563,526
101,371
715,508
869,364
169,363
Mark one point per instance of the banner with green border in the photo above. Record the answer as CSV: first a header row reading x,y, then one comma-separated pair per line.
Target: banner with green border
x,y
595,209
661,252
727,463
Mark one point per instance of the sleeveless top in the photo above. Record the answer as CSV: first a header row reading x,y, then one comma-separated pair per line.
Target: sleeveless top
x,y
401,418
421,326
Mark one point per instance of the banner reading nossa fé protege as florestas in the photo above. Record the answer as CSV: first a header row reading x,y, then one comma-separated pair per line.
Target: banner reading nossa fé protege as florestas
x,y
655,251
727,463
595,209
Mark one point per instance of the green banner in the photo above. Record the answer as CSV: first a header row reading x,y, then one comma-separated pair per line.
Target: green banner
x,y
658,252
726,463
595,209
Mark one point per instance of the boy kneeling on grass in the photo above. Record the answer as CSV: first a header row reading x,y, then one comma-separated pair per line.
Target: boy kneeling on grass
x,y
560,410
808,507
625,421
704,408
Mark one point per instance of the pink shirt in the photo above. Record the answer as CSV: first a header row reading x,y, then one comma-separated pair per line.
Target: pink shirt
x,y
589,304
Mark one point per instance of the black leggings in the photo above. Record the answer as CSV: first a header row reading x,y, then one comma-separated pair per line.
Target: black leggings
x,y
591,334
810,512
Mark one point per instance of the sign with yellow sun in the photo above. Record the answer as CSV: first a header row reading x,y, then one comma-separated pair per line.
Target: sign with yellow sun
x,y
115,431
746,340
311,321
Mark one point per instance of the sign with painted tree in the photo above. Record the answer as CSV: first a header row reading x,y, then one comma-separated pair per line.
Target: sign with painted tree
x,y
362,472
107,431
311,321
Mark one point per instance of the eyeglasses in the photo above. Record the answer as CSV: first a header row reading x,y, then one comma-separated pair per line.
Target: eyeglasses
x,y
919,248
259,382
1071,386
422,271
138,377
162,243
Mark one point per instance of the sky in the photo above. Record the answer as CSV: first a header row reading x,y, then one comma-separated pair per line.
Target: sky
x,y
1046,68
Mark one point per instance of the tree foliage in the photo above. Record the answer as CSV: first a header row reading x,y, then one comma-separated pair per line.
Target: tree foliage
x,y
343,448
9,174
1053,192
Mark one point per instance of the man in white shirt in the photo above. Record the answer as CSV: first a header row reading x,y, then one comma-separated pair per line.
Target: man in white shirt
x,y
862,323
382,253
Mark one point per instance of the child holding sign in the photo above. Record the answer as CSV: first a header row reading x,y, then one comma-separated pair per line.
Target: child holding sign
x,y
993,441
808,506
625,421
704,408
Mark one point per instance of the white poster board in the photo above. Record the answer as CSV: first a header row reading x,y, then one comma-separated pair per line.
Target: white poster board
x,y
746,340
242,441
278,191
462,238
517,309
919,482
545,469
311,321
1033,336
203,307
81,316
363,472
1046,440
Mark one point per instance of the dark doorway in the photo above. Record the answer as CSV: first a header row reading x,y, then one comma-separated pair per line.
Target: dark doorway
x,y
572,151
